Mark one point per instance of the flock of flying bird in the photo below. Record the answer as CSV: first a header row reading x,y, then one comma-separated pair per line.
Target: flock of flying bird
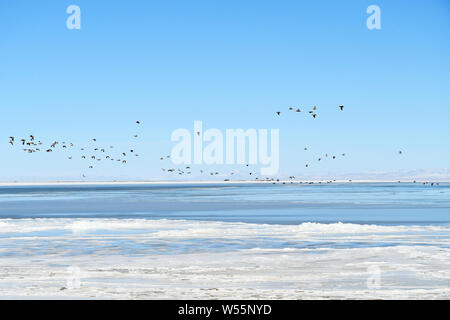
x,y
99,153
188,170
312,112
93,154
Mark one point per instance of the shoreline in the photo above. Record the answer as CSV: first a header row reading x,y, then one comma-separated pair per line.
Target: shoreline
x,y
204,182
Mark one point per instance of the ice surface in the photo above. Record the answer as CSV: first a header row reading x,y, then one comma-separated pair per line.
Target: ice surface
x,y
154,259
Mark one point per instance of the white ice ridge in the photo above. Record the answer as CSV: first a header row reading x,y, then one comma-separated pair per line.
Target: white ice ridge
x,y
168,227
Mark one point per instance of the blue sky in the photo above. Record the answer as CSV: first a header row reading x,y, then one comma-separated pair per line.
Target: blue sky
x,y
231,64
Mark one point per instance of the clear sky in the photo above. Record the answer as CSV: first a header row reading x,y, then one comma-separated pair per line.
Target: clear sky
x,y
231,64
